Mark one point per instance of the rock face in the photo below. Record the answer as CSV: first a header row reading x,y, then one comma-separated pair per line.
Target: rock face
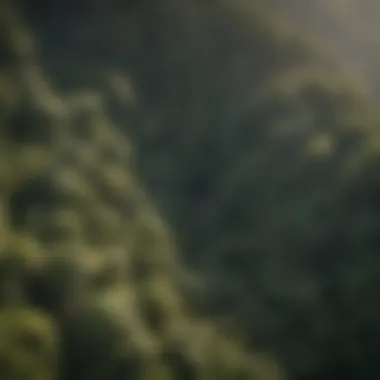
x,y
89,276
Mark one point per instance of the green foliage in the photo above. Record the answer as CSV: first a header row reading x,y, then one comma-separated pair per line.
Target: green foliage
x,y
77,225
261,151
29,344
259,148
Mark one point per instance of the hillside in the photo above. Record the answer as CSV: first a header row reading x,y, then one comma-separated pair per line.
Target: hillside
x,y
260,148
89,272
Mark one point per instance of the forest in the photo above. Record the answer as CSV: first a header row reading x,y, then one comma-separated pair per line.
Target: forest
x,y
189,190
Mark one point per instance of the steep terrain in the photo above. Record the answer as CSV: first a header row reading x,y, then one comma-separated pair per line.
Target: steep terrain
x,y
262,152
89,275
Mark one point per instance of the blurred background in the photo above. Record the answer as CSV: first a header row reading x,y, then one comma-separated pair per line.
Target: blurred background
x,y
189,190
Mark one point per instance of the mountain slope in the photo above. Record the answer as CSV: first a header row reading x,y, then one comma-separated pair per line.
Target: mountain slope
x,y
262,152
83,247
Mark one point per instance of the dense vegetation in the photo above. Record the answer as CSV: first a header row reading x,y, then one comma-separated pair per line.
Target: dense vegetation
x,y
90,284
262,153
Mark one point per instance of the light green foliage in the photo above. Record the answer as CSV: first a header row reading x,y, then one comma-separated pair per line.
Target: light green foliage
x,y
28,345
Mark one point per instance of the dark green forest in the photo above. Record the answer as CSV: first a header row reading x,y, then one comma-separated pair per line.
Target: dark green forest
x,y
189,190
